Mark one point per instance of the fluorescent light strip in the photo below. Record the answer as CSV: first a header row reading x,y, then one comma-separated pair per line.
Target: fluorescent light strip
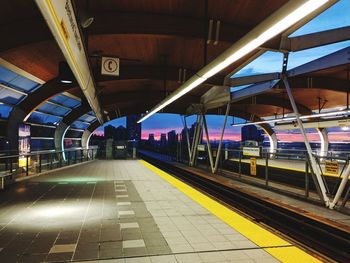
x,y
283,24
318,115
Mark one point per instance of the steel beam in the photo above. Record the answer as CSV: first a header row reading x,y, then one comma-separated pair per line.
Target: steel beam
x,y
241,81
187,138
315,168
338,58
211,161
341,188
253,90
316,39
221,138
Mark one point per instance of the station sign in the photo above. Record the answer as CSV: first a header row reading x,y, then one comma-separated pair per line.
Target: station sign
x,y
201,147
253,166
332,168
251,151
61,19
110,66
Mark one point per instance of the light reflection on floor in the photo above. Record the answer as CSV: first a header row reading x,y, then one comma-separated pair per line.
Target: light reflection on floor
x,y
48,214
69,179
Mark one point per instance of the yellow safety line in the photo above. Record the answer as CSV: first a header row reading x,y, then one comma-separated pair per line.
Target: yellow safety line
x,y
255,233
285,168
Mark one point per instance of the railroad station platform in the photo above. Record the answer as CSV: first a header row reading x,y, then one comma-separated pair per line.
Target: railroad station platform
x,y
127,211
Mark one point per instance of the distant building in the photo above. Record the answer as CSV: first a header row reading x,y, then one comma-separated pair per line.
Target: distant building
x,y
163,140
251,133
191,134
151,137
109,132
172,138
120,133
133,128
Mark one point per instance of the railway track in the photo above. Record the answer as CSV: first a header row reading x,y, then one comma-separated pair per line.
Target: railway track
x,y
330,242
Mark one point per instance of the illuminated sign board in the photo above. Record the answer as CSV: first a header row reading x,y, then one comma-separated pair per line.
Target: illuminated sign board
x,y
251,151
23,144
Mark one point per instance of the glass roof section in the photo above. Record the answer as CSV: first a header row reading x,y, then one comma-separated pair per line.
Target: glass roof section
x,y
55,109
66,100
10,96
5,111
80,125
87,118
301,57
268,62
41,118
18,82
335,17
13,89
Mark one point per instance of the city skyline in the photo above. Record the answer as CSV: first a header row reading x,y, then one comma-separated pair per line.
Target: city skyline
x,y
234,134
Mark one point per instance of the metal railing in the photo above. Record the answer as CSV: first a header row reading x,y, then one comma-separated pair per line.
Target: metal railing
x,y
14,166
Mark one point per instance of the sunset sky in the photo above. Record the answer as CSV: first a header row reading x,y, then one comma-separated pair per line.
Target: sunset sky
x,y
268,62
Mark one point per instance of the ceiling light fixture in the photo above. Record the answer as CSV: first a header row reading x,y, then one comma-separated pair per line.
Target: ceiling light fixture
x,y
318,115
285,17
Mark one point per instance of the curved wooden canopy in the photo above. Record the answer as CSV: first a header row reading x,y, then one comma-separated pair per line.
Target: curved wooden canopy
x,y
155,39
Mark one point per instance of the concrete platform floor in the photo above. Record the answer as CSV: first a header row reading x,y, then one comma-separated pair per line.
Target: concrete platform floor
x,y
114,211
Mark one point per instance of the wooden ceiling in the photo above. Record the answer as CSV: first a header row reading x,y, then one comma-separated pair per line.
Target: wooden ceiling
x,y
153,38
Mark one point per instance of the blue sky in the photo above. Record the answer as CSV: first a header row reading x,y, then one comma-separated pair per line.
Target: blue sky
x,y
335,17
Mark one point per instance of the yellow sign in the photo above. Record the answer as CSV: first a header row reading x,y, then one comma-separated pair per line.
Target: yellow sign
x,y
332,168
64,30
252,166
22,161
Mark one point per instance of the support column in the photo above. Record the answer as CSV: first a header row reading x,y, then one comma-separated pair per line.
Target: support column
x,y
60,133
320,185
273,142
85,138
210,154
196,139
323,133
16,118
187,139
221,138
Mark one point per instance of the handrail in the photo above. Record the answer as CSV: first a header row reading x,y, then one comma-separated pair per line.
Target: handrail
x,y
47,152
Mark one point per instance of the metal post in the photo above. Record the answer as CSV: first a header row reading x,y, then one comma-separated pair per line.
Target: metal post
x,y
346,197
27,165
306,176
60,156
81,155
75,156
208,143
187,139
193,140
342,186
240,164
222,136
50,156
40,168
322,188
196,140
267,170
